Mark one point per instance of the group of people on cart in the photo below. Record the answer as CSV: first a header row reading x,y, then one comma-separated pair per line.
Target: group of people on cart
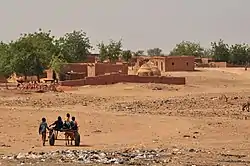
x,y
68,124
58,125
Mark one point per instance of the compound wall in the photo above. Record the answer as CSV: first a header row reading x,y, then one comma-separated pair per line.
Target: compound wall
x,y
3,79
75,67
102,68
116,78
218,64
232,65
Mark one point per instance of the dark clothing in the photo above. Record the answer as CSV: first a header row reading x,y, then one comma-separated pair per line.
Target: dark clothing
x,y
42,128
44,138
73,125
67,124
58,125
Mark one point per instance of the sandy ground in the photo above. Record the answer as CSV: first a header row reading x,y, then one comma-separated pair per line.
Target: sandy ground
x,y
120,116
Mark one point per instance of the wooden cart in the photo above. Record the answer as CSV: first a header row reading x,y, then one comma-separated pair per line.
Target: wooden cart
x,y
73,134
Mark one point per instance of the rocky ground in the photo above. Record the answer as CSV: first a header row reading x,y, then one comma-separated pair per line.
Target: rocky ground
x,y
173,156
214,105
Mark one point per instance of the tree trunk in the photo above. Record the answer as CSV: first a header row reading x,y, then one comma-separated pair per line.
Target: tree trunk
x,y
38,78
25,78
6,85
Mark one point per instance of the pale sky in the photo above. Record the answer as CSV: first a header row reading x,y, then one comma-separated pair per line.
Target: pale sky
x,y
142,24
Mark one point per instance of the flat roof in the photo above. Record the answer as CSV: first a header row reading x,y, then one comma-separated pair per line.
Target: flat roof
x,y
166,57
184,56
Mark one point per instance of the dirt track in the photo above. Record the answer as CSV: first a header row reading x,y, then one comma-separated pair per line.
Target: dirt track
x,y
194,116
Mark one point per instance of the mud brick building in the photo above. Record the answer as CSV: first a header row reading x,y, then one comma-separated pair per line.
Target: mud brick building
x,y
174,63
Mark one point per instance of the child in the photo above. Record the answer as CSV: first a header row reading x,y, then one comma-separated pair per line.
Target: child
x,y
67,121
73,124
58,124
42,130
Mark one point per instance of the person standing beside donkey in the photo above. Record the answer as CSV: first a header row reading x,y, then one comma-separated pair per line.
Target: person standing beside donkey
x,y
42,130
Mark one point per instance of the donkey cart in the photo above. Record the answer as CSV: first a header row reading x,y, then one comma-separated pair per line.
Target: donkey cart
x,y
70,135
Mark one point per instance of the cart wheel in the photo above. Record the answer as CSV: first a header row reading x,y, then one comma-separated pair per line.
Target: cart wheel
x,y
77,139
52,140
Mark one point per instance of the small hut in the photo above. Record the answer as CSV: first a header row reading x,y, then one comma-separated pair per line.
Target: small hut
x,y
145,70
3,79
155,69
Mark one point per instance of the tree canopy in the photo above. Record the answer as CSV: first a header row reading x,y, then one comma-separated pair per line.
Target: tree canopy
x,y
188,48
5,58
111,51
126,55
138,53
74,46
32,53
154,52
219,51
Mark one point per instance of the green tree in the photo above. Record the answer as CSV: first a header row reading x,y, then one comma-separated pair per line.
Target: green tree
x,y
188,48
138,53
154,52
112,51
126,55
221,51
22,54
5,57
239,54
103,52
208,53
56,65
31,53
74,46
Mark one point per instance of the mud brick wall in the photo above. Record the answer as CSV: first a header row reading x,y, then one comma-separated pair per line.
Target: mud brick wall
x,y
232,65
75,67
116,78
173,80
219,64
101,80
76,76
3,79
102,68
202,65
80,82
49,74
180,63
172,63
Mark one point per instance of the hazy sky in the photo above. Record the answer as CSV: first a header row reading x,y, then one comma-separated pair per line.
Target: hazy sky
x,y
141,24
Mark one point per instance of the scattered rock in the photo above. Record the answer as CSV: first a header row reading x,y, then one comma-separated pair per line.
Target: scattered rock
x,y
186,136
88,157
192,150
97,131
4,145
157,88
